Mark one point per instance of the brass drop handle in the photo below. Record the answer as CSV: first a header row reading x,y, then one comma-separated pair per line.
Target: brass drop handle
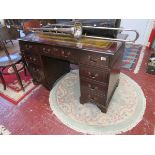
x,y
92,98
28,46
92,76
65,55
35,69
55,49
92,60
49,50
92,88
46,50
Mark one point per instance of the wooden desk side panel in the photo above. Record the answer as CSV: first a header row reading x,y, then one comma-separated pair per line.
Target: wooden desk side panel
x,y
114,73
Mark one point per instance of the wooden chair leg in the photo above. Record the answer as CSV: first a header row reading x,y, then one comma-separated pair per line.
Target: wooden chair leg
x,y
12,42
18,77
25,73
25,66
3,81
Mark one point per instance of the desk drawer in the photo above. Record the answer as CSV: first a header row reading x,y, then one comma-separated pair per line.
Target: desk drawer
x,y
94,73
70,55
49,50
28,46
94,60
93,87
66,54
58,52
31,57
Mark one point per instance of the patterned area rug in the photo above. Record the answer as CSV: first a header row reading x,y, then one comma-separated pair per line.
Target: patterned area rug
x,y
4,131
125,111
131,55
13,92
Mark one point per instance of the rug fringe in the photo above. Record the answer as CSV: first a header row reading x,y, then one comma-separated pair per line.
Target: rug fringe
x,y
4,131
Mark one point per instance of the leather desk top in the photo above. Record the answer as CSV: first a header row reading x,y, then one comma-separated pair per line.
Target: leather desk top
x,y
94,45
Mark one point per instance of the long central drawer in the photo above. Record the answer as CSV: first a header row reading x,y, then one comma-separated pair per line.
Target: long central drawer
x,y
58,52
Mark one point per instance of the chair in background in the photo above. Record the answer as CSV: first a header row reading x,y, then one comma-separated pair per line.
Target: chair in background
x,y
30,24
3,81
7,41
10,60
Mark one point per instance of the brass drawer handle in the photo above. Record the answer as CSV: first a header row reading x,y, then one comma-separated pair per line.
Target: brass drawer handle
x,y
92,60
46,50
92,98
62,52
28,46
35,69
55,49
49,50
92,76
92,88
65,54
34,59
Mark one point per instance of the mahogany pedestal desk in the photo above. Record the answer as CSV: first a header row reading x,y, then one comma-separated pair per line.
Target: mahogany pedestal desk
x,y
99,68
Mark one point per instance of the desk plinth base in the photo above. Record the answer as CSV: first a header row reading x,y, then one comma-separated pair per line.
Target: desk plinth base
x,y
100,106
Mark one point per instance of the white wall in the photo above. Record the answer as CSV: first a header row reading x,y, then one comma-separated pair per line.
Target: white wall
x,y
2,21
143,26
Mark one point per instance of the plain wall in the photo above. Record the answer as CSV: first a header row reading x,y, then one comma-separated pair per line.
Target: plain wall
x,y
143,26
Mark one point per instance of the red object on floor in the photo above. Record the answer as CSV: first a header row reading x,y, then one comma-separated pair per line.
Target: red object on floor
x,y
152,37
14,92
12,82
36,117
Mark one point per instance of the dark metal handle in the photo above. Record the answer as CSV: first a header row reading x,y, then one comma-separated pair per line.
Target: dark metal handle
x,y
46,50
92,98
35,69
65,55
28,46
55,49
92,76
91,59
49,50
92,88
34,59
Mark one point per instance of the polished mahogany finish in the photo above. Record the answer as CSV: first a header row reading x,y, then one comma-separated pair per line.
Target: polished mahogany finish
x,y
99,68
